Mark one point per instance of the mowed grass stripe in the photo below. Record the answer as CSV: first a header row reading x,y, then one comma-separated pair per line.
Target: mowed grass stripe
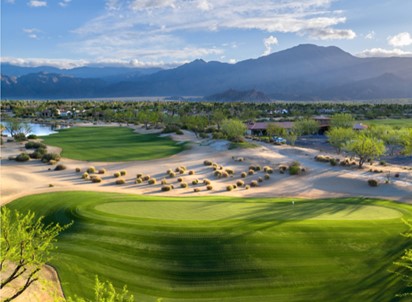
x,y
295,258
111,144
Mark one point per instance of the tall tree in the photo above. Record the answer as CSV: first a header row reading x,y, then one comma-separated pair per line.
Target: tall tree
x,y
274,130
365,147
25,244
338,137
306,127
196,124
233,129
217,117
342,120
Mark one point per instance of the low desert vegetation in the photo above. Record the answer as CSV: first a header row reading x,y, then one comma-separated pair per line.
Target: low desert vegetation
x,y
60,167
123,172
46,158
102,171
22,157
78,170
183,185
120,181
152,181
96,179
116,174
373,182
91,170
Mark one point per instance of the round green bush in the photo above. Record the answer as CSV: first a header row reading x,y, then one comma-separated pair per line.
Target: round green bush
x,y
229,171
164,181
180,179
139,180
191,172
22,157
207,181
195,182
116,174
207,162
267,176
139,175
50,156
372,182
294,170
77,170
229,188
209,188
243,175
32,136
172,174
120,181
240,183
251,172
152,181
102,171
123,172
166,188
95,179
183,185
60,167
85,175
196,190
34,145
91,170
247,187
260,179
254,183
146,177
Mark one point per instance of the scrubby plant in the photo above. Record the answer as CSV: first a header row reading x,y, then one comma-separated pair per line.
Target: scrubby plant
x,y
322,158
229,171
396,175
333,162
116,174
85,175
172,174
51,185
251,172
243,175
195,182
240,183
77,170
120,181
96,179
91,170
191,172
180,179
254,183
123,172
217,173
32,136
139,180
229,188
372,182
52,162
166,188
146,177
34,145
252,168
260,179
22,157
169,171
102,171
196,190
207,181
267,176
152,181
247,187
38,153
164,181
294,168
139,175
60,167
183,185
50,156
209,187
207,162
224,174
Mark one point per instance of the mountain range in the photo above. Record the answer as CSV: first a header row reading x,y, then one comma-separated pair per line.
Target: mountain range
x,y
304,72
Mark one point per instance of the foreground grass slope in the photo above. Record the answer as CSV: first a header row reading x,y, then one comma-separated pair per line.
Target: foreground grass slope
x,y
214,248
111,144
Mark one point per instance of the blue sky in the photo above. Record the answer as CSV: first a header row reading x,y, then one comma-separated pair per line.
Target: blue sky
x,y
145,33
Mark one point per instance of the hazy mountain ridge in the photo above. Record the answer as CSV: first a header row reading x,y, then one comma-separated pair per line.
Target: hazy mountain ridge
x,y
303,72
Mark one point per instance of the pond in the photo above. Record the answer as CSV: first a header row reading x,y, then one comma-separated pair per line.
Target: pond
x,y
41,129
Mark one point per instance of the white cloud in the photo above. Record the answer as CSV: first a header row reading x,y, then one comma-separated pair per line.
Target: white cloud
x,y
152,4
32,33
65,3
331,34
10,1
400,40
36,3
232,61
370,36
268,42
204,5
380,52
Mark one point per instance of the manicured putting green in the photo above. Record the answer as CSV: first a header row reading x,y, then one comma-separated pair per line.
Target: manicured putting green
x,y
204,210
227,249
110,144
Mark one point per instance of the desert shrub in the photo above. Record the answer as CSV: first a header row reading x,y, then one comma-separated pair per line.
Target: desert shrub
x,y
258,168
116,174
50,156
196,190
209,187
139,175
85,175
260,179
173,174
383,163
229,188
95,179
38,154
195,182
254,183
224,174
207,182
322,158
207,162
146,177
252,168
180,179
60,167
91,170
102,171
396,175
139,180
282,169
22,157
152,181
34,145
240,183
294,168
230,171
120,181
170,129
20,137
251,172
164,182
166,188
247,187
123,172
267,176
32,136
372,182
169,171
77,170
217,173
52,162
183,185
333,162
191,172
243,175
51,185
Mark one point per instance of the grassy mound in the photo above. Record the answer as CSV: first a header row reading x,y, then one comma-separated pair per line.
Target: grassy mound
x,y
111,144
232,249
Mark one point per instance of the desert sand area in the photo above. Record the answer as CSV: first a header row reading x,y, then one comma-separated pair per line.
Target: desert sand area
x,y
319,181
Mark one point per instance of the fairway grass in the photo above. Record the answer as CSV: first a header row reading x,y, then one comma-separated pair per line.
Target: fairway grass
x,y
397,123
111,144
224,248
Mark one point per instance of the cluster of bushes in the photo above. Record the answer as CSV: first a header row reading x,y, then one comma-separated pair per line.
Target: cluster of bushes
x,y
167,188
295,168
372,182
335,161
22,157
50,158
120,181
60,167
375,170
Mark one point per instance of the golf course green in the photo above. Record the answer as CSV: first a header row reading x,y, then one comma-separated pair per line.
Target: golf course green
x,y
111,144
225,248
